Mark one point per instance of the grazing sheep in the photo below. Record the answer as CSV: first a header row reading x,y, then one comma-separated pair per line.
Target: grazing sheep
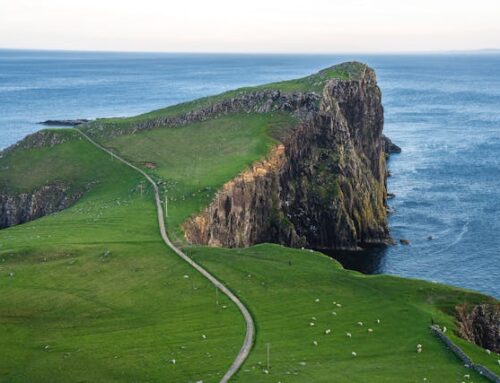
x,y
316,300
488,352
354,353
378,320
419,350
186,276
334,313
328,331
173,361
370,330
311,324
204,336
338,305
348,334
444,329
313,318
360,323
466,376
315,343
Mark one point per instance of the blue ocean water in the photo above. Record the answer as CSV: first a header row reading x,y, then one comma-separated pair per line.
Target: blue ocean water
x,y
443,110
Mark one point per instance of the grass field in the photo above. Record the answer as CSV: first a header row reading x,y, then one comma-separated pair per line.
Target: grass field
x,y
91,294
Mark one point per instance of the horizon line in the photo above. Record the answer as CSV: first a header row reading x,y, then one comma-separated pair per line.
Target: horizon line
x,y
319,53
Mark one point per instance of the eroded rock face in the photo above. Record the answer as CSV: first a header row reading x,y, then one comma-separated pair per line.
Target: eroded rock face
x,y
325,187
24,207
481,325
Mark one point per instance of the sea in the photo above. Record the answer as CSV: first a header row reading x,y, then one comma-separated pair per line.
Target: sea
x,y
443,110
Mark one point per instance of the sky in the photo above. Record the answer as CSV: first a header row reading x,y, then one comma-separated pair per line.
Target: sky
x,y
267,26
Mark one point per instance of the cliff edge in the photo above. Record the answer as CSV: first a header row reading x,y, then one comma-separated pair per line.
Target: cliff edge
x,y
323,186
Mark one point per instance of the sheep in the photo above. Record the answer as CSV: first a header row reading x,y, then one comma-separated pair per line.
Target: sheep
x,y
360,323
315,342
444,329
328,331
316,300
311,324
378,320
488,352
419,348
334,313
348,334
173,361
313,318
338,305
186,276
466,376
370,330
204,336
354,353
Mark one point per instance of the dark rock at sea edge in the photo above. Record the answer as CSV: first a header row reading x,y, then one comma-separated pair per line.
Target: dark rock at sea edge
x,y
389,146
76,122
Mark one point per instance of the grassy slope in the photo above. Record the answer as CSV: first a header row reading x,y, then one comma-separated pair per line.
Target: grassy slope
x,y
281,287
117,317
129,313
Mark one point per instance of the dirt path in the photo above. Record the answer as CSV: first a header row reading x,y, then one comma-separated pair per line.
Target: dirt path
x,y
250,332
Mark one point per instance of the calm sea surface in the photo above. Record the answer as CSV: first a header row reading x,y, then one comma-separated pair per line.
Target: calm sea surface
x,y
443,110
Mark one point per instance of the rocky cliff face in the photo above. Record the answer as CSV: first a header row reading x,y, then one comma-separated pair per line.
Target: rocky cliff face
x,y
24,207
19,207
481,325
325,187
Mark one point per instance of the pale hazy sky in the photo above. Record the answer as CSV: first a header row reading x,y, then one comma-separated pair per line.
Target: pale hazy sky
x,y
251,26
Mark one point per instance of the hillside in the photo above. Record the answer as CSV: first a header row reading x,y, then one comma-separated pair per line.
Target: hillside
x,y
93,285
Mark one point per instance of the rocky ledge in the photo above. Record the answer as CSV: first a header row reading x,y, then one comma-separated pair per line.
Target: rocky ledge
x,y
23,207
76,122
480,325
324,187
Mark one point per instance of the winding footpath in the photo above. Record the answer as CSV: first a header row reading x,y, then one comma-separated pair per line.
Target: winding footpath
x,y
250,326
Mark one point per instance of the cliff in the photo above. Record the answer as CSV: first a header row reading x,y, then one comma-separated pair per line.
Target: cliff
x,y
323,187
16,208
23,205
480,325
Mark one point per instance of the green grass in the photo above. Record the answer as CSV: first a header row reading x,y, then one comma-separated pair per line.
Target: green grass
x,y
96,284
281,287
195,160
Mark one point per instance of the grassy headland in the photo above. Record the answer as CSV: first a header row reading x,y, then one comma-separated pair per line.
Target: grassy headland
x,y
91,294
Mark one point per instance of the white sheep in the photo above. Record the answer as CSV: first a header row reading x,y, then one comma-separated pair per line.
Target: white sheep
x,y
204,336
338,305
444,329
315,343
313,318
311,324
360,323
354,353
328,331
466,376
334,313
316,300
488,352
378,320
173,361
348,334
370,330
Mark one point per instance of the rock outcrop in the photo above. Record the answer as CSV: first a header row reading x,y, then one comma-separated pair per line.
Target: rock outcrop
x,y
324,187
303,105
389,146
481,325
23,207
